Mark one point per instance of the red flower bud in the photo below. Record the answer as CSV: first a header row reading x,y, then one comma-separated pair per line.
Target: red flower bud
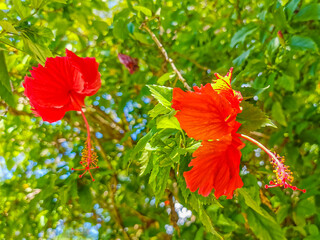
x,y
130,63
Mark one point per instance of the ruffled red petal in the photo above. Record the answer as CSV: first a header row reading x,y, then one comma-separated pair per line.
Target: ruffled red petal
x,y
88,67
203,114
216,166
50,114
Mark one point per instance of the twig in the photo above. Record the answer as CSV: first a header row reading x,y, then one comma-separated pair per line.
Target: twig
x,y
165,54
146,221
173,214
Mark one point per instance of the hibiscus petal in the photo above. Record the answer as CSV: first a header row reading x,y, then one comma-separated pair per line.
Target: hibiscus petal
x,y
203,114
49,85
88,67
50,114
77,101
216,166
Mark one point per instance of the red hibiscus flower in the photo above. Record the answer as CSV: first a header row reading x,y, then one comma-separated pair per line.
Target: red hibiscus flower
x,y
60,86
209,114
130,63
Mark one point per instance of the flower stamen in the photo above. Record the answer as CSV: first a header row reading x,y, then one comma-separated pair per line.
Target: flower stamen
x,y
89,159
283,174
88,162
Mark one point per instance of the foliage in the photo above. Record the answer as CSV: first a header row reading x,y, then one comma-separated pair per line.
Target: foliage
x,y
139,190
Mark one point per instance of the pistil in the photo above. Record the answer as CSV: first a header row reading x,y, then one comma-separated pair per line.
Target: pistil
x,y
283,174
89,159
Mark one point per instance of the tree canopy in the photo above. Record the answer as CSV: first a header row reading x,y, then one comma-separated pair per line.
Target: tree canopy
x,y
145,49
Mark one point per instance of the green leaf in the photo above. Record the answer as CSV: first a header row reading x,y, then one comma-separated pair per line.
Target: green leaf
x,y
176,153
130,27
162,94
10,163
250,92
291,7
241,35
193,147
264,228
60,1
313,229
200,234
143,142
278,115
20,9
308,12
39,52
168,121
64,194
2,14
303,43
250,202
45,33
286,82
145,162
158,180
101,26
279,18
8,26
252,118
306,207
120,29
159,109
282,213
273,45
143,38
240,59
5,88
204,217
165,77
283,2
144,10
4,76
85,198
36,3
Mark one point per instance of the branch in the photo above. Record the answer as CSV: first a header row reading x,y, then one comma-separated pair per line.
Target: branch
x,y
165,54
146,221
173,214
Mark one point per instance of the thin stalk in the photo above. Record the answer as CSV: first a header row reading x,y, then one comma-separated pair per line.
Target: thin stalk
x,y
165,54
